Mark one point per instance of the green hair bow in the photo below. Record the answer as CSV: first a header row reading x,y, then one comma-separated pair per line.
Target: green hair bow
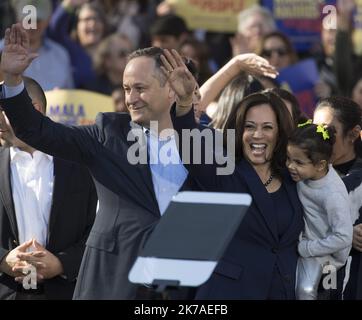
x,y
323,131
309,121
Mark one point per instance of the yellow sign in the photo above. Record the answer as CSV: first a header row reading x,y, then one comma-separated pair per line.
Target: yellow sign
x,y
76,107
296,9
357,34
211,15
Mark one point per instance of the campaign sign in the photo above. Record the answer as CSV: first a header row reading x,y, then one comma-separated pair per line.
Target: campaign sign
x,y
300,79
211,15
301,20
76,107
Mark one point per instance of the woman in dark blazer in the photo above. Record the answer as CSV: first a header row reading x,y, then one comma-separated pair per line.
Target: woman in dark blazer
x,y
260,262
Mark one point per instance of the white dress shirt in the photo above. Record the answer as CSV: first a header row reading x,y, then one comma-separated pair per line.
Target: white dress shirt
x,y
32,179
168,172
9,92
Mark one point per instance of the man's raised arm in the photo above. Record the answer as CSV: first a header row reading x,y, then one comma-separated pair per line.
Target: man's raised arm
x,y
16,56
77,144
180,79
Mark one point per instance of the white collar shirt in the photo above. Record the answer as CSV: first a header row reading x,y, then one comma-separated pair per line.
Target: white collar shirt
x,y
32,180
167,170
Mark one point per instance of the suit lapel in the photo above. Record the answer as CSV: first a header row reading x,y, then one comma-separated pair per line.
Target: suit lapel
x,y
297,217
144,169
5,190
59,190
146,175
260,196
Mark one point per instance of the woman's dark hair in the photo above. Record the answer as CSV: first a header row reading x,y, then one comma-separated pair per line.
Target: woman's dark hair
x,y
191,66
168,25
237,117
297,114
348,113
202,56
314,141
231,96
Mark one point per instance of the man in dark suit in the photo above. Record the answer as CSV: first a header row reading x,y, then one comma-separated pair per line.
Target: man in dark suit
x,y
132,194
51,200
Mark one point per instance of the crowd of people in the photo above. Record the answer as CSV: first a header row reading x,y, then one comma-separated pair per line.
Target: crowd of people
x,y
78,209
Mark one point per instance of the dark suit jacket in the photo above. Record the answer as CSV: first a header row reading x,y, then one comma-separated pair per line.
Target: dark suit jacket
x,y
353,290
71,217
128,209
250,265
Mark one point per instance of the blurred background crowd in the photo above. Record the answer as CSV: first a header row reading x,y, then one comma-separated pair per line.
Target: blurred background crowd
x,y
83,44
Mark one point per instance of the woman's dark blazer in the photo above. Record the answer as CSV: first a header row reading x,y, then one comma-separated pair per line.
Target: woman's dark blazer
x,y
353,290
248,266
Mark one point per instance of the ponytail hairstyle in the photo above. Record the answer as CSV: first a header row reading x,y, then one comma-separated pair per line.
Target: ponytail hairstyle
x,y
348,113
316,140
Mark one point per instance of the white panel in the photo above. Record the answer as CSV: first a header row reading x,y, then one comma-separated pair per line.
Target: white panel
x,y
190,273
213,198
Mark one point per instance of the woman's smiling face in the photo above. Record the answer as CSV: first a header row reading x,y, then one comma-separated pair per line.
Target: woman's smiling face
x,y
260,134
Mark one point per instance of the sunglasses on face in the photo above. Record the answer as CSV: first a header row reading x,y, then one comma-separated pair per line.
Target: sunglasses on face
x,y
269,52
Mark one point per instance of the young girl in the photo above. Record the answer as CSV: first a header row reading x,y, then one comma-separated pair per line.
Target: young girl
x,y
327,236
